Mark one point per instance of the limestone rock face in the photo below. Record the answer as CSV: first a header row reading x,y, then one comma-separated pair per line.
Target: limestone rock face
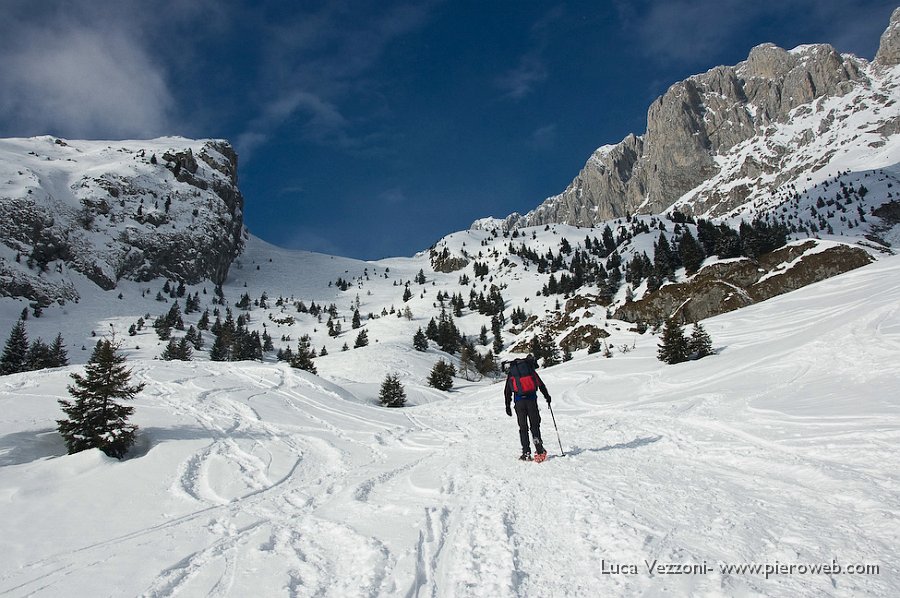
x,y
698,121
889,49
118,210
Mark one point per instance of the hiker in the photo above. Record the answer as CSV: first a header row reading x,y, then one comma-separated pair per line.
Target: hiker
x,y
522,384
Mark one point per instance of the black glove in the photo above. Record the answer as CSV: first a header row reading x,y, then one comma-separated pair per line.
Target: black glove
x,y
508,411
548,399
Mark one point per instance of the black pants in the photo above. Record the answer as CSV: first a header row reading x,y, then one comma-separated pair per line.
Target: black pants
x,y
527,411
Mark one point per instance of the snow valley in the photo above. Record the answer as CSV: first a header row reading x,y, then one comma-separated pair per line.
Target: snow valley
x,y
252,478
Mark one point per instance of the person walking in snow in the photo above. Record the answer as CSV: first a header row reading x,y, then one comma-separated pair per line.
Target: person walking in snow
x,y
522,384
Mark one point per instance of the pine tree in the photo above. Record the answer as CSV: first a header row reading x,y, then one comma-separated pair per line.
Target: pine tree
x,y
219,350
58,355
38,356
700,343
420,341
448,334
544,347
392,393
362,339
302,359
551,350
95,419
691,252
163,328
674,346
171,350
15,354
441,376
431,330
267,345
244,303
174,319
663,258
355,323
177,350
467,362
487,365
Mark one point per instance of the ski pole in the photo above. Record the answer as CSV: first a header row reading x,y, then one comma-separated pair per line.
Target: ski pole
x,y
563,453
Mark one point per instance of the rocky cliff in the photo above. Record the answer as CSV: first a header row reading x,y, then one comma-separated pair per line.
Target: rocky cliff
x,y
134,210
722,138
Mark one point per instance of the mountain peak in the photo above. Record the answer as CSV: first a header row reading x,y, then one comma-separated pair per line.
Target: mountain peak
x,y
697,128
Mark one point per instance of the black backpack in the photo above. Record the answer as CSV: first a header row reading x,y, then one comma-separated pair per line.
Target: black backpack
x,y
522,377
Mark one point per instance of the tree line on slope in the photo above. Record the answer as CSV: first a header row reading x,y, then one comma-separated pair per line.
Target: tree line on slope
x,y
21,356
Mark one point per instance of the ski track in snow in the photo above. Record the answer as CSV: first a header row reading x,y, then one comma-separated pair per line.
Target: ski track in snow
x,y
286,486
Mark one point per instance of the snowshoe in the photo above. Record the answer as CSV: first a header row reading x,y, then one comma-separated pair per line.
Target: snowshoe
x,y
525,457
540,457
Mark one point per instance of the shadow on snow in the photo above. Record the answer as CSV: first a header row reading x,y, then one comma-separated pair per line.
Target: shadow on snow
x,y
17,448
30,445
632,444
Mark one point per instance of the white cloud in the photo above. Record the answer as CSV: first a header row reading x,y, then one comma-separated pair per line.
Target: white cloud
x,y
520,81
543,137
691,31
316,62
76,81
532,70
323,119
684,31
393,196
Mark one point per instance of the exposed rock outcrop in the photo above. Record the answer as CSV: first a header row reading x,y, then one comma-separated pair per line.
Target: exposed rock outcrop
x,y
726,286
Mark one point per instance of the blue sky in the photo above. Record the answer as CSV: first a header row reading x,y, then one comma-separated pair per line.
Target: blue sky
x,y
371,129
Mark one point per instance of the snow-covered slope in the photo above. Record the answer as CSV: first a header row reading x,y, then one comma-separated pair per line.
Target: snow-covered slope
x,y
257,479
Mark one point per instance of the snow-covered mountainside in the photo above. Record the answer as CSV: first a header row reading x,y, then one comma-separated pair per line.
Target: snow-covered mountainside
x,y
110,211
734,136
259,479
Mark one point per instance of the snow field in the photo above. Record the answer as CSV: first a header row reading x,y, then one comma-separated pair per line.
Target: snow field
x,y
256,479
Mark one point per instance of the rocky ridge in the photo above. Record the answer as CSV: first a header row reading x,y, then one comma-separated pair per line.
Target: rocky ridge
x,y
699,131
